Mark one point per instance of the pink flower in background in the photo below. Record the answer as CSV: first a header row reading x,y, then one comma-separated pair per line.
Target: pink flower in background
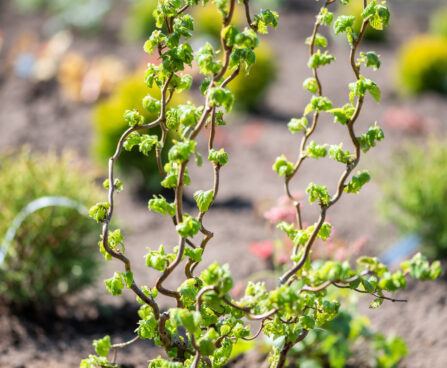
x,y
341,254
340,249
358,244
403,118
238,289
283,258
278,214
284,210
263,249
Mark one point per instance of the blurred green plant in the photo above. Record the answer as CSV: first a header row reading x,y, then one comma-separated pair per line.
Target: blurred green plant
x,y
108,124
53,252
139,22
355,9
414,198
208,20
438,22
250,88
422,65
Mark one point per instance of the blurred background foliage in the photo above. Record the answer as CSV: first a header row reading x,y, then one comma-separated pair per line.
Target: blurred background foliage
x,y
422,65
414,187
83,15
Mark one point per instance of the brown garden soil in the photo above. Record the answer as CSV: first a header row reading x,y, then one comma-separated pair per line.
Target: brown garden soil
x,y
39,116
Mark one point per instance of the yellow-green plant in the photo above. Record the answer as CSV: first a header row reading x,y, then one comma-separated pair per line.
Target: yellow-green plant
x,y
208,20
250,89
47,242
139,22
422,65
204,322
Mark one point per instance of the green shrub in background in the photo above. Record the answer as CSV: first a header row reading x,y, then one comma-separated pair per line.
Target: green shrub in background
x,y
438,22
54,250
208,20
422,65
355,8
139,22
415,194
250,88
109,123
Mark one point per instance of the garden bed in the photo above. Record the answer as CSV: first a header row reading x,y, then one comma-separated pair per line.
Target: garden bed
x,y
37,115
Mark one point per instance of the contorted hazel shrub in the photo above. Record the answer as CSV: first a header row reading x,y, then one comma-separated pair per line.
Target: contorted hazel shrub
x,y
204,322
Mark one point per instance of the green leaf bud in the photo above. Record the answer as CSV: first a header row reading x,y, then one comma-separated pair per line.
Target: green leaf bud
x,y
203,199
115,284
282,166
98,212
188,227
102,346
134,118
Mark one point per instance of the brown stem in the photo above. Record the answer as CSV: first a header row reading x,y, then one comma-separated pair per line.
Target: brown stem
x,y
286,348
168,271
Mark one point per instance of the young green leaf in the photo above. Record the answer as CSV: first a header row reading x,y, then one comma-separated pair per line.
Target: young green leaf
x,y
298,125
134,118
282,166
115,284
376,303
219,158
203,199
98,212
311,85
188,227
102,346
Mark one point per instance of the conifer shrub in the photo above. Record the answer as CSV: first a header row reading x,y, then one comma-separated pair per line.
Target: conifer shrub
x,y
52,251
